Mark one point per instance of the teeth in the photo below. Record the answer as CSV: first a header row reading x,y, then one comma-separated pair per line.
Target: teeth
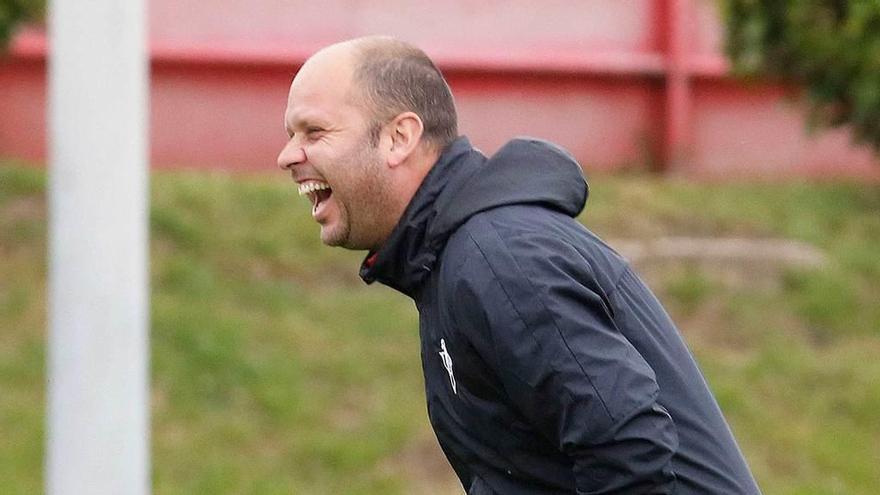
x,y
308,187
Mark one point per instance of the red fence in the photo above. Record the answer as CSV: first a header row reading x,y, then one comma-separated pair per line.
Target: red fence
x,y
621,83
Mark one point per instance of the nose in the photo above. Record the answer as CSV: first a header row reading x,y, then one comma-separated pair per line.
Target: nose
x,y
292,154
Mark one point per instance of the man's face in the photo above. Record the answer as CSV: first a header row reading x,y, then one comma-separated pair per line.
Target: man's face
x,y
331,157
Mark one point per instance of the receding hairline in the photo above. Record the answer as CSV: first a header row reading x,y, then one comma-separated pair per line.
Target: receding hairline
x,y
362,47
360,53
368,50
357,53
392,76
388,76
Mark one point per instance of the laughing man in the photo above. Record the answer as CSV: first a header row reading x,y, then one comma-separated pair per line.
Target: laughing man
x,y
549,366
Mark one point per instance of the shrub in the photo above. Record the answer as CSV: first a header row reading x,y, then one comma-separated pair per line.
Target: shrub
x,y
831,47
12,12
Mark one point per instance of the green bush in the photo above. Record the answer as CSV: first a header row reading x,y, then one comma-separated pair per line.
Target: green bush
x,y
12,12
831,47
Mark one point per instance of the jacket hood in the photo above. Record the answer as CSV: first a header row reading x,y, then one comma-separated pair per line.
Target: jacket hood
x,y
462,183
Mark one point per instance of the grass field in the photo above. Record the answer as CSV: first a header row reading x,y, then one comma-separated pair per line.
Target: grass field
x,y
275,370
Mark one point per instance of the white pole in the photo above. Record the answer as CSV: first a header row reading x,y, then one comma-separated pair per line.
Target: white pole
x,y
98,417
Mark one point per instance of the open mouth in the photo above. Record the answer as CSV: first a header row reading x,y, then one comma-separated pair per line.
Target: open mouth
x,y
317,192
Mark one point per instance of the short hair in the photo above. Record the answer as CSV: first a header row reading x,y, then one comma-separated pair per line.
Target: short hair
x,y
396,77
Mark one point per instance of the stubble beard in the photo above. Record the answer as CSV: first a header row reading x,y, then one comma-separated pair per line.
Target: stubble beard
x,y
368,196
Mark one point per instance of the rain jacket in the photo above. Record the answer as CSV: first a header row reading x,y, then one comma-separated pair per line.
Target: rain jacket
x,y
549,366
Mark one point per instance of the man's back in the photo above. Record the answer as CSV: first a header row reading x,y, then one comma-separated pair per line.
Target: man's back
x,y
538,307
549,367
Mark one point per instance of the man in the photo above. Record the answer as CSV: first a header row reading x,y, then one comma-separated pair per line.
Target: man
x,y
549,367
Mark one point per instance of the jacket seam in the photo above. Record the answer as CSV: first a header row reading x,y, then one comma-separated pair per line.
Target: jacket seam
x,y
544,306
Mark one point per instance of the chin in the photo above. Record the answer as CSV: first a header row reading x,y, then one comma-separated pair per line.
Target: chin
x,y
332,241
333,237
347,242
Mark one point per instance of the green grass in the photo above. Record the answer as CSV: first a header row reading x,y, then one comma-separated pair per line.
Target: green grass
x,y
275,370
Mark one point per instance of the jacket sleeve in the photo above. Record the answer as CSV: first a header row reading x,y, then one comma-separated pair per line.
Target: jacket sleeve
x,y
536,313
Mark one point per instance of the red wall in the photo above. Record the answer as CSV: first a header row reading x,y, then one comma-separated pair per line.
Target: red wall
x,y
621,83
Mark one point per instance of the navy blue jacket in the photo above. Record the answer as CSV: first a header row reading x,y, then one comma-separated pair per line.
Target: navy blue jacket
x,y
550,368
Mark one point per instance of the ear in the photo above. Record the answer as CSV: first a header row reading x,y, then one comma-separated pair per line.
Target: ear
x,y
406,133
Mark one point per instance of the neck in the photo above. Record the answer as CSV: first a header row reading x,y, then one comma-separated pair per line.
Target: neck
x,y
422,161
410,178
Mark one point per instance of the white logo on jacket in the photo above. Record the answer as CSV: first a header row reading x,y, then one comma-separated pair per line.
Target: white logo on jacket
x,y
447,363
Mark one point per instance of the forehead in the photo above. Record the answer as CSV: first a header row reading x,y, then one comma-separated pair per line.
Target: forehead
x,y
321,90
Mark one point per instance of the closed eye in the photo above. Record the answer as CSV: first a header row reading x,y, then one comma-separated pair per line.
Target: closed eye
x,y
309,133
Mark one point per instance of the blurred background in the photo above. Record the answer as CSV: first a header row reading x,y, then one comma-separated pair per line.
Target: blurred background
x,y
732,153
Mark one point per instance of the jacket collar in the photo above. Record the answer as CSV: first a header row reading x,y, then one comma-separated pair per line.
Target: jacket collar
x,y
408,256
463,183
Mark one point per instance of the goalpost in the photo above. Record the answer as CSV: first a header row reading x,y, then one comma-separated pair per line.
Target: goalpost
x,y
98,378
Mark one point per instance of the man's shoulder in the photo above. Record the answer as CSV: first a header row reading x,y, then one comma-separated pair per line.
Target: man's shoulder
x,y
522,226
515,219
512,238
493,231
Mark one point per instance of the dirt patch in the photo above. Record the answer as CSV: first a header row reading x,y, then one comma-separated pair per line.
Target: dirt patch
x,y
735,262
424,467
351,411
707,327
23,209
728,250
